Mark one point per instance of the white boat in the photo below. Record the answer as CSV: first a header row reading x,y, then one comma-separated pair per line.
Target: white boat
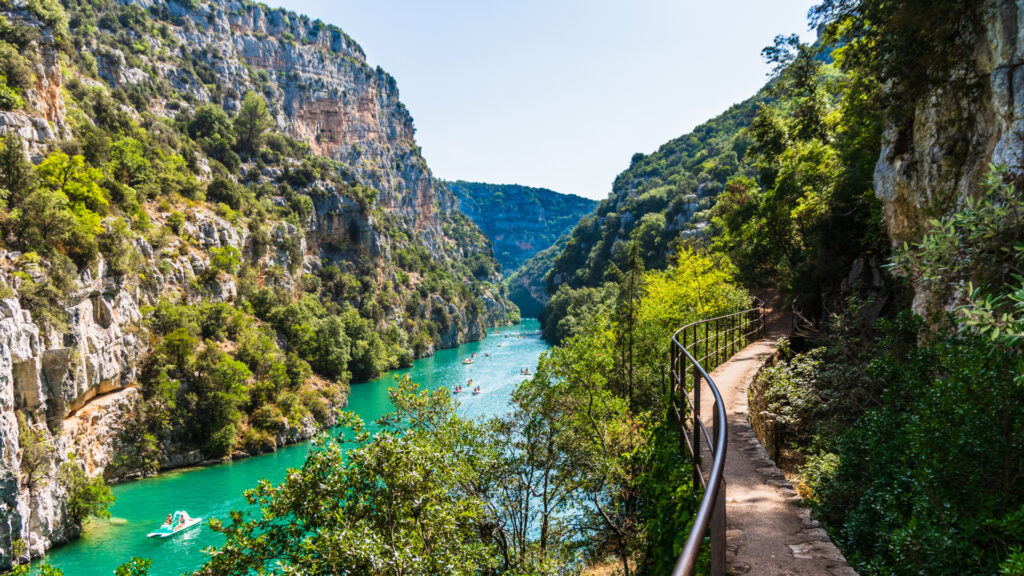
x,y
178,523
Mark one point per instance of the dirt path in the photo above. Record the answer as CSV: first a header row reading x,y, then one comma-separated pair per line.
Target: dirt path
x,y
769,532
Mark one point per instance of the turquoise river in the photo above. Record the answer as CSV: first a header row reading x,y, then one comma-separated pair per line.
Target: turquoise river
x,y
215,490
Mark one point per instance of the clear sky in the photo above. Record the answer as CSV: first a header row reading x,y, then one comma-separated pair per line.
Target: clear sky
x,y
561,93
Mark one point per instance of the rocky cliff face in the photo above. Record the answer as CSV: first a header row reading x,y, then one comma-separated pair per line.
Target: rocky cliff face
x,y
934,161
76,382
45,119
377,220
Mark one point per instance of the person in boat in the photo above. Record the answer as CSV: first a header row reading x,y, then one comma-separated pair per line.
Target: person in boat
x,y
170,518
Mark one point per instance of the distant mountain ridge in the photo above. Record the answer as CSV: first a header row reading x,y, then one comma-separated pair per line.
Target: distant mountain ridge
x,y
519,220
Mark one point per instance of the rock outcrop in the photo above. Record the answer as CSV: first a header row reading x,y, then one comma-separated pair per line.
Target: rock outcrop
x,y
933,162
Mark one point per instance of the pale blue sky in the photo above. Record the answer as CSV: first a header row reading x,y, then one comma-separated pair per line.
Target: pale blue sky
x,y
560,93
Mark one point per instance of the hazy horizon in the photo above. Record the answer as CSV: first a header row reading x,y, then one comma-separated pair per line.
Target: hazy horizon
x,y
560,95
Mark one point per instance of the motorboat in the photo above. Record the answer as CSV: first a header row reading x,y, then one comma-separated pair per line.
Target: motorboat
x,y
175,524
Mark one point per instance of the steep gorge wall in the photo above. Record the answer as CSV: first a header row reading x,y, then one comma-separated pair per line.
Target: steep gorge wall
x,y
77,382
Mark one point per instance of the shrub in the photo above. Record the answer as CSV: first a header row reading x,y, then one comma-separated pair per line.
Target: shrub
x,y
908,445
222,442
226,191
317,406
10,98
176,222
270,418
256,441
225,259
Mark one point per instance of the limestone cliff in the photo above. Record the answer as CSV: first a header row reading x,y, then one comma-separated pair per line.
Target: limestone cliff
x,y
935,160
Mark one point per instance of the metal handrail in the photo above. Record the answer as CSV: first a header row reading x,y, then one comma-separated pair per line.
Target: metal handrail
x,y
741,327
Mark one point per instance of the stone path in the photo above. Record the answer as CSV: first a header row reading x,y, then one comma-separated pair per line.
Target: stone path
x,y
769,532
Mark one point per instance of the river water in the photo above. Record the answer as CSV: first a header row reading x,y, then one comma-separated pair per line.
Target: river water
x,y
142,505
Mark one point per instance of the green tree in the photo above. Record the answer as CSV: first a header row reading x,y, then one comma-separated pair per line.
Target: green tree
x,y
209,121
222,388
88,497
252,123
128,163
17,179
400,503
36,461
71,176
598,440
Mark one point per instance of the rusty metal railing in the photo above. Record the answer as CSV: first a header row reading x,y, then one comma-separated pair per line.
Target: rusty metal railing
x,y
695,349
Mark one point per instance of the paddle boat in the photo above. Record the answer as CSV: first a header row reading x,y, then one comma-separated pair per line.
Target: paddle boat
x,y
178,522
467,361
524,371
457,389
476,391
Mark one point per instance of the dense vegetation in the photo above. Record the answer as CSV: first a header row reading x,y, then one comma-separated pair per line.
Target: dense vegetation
x,y
572,475
661,199
913,434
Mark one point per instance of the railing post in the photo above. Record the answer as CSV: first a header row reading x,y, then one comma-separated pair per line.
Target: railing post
x,y
717,567
715,328
664,382
696,429
732,335
707,343
718,533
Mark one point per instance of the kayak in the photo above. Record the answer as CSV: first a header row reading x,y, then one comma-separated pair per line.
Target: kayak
x,y
165,531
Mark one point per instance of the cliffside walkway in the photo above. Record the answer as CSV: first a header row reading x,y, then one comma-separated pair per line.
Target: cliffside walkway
x,y
768,532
